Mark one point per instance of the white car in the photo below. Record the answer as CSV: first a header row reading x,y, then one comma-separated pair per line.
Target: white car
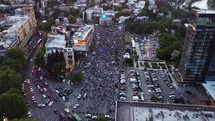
x,y
88,115
76,106
171,96
66,110
94,117
50,103
122,98
45,89
68,82
29,114
79,96
64,99
107,116
44,96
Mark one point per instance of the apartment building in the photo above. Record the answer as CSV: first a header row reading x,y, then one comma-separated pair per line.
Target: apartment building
x,y
17,29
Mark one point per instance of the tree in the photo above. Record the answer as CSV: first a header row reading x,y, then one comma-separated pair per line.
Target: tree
x,y
143,13
24,119
57,69
9,79
122,13
48,24
175,55
96,20
91,3
16,54
15,65
12,105
71,19
101,119
74,12
39,58
77,77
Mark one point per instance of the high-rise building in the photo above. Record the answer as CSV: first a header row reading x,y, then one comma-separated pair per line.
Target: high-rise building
x,y
197,62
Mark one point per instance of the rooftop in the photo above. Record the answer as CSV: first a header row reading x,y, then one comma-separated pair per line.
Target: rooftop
x,y
210,87
16,21
205,11
12,23
95,9
142,111
82,33
55,41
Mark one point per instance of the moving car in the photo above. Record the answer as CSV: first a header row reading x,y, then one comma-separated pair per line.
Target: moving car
x,y
50,103
76,106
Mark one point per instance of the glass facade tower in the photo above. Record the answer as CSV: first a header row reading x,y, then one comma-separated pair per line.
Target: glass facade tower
x,y
197,62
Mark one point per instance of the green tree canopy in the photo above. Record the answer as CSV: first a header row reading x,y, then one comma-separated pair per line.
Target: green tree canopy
x,y
58,68
12,105
48,24
74,12
143,13
24,119
167,40
122,13
71,19
101,119
15,65
16,54
168,44
77,77
39,59
9,79
175,55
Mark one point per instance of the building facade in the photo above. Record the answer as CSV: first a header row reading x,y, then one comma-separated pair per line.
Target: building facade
x,y
91,13
17,29
197,59
56,42
82,39
61,39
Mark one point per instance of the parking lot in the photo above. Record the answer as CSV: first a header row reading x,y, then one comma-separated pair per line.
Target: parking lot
x,y
149,86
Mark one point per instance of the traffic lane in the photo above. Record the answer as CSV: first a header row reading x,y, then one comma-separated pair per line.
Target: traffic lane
x,y
129,90
144,86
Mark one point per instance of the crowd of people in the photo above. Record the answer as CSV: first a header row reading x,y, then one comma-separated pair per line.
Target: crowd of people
x,y
106,63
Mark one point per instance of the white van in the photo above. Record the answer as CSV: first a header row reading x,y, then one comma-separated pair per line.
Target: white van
x,y
136,98
133,80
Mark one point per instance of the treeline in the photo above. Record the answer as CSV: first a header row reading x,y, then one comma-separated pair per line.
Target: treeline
x,y
12,103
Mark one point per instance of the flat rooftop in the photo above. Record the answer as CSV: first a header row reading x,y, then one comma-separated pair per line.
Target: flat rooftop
x,y
55,42
210,87
142,111
205,11
82,33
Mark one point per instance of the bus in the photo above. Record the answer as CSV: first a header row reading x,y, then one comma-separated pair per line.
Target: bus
x,y
76,117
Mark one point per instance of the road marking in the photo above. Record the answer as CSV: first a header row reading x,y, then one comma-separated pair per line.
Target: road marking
x,y
49,115
53,118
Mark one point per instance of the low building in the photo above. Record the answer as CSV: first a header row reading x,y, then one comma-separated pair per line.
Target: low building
x,y
82,39
123,18
105,20
90,13
176,22
142,111
17,29
61,40
142,19
4,7
56,42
